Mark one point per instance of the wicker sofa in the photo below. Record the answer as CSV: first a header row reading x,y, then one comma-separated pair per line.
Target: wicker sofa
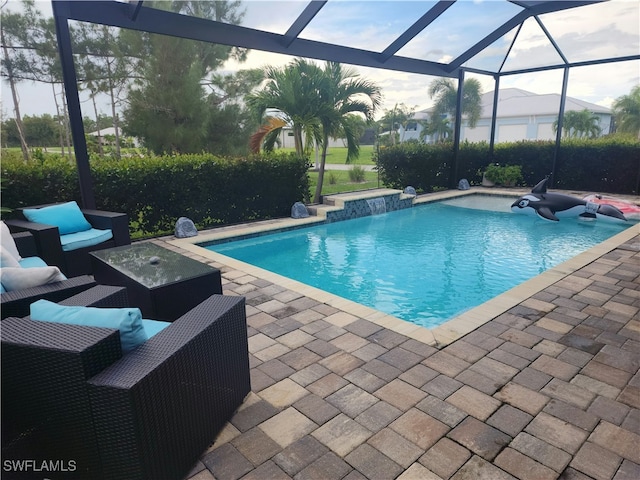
x,y
73,262
16,303
69,394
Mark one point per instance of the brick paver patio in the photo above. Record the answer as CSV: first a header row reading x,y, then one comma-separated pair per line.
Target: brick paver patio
x,y
550,389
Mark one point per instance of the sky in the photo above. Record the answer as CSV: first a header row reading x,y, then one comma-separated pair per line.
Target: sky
x,y
609,29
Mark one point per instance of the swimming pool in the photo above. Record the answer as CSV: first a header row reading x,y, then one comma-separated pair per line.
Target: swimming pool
x,y
425,264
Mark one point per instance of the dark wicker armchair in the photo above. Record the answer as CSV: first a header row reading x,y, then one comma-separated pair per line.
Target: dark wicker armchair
x,y
69,394
74,262
16,303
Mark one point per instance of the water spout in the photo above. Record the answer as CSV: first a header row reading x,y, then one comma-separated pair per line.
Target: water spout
x,y
377,205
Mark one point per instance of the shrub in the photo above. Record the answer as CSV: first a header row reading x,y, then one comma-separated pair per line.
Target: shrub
x,y
155,191
609,165
507,175
425,167
332,178
356,174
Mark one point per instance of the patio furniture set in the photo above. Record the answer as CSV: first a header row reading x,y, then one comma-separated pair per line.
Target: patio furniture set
x,y
91,386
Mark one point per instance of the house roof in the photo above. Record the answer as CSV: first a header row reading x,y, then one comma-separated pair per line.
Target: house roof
x,y
515,102
103,132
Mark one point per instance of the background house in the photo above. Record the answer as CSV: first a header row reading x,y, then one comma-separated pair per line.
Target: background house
x,y
107,137
287,140
521,115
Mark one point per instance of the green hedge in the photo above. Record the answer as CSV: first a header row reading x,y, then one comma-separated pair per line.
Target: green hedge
x,y
610,165
155,191
424,167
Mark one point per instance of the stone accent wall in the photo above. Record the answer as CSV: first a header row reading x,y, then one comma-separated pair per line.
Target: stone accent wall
x,y
360,208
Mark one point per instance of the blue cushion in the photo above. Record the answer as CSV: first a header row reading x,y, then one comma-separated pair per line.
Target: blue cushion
x,y
2,289
127,320
153,327
87,238
30,262
66,216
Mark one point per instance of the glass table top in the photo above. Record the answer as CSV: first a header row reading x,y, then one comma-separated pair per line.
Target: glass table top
x,y
152,265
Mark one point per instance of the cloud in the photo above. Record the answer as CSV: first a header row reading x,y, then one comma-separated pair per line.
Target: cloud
x,y
275,17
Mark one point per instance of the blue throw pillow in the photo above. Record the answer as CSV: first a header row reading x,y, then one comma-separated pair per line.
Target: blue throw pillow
x,y
127,320
66,216
153,327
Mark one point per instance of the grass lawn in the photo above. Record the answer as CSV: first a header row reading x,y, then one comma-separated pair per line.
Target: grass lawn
x,y
334,154
339,155
342,182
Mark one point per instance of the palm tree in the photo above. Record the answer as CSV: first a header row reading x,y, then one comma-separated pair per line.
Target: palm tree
x,y
391,121
293,91
579,124
342,93
446,99
438,126
627,112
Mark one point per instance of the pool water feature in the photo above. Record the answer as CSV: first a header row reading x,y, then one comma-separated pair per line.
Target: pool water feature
x,y
377,205
425,264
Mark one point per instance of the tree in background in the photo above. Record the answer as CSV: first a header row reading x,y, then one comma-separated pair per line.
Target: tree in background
x,y
579,124
230,122
39,131
445,93
166,107
49,70
438,127
167,111
627,112
399,115
18,56
105,66
30,53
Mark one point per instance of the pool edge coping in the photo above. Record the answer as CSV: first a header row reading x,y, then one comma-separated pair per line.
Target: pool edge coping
x,y
439,336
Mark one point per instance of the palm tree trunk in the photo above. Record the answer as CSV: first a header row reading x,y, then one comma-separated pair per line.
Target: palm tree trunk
x,y
323,159
297,136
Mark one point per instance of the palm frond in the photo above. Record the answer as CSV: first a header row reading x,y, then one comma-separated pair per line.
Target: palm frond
x,y
272,124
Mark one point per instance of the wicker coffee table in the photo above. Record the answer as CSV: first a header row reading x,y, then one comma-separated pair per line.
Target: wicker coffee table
x,y
162,283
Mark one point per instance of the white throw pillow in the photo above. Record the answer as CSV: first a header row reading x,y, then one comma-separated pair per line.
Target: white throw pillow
x,y
7,260
18,278
7,241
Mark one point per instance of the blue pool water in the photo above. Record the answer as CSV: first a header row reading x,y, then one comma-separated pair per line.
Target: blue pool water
x,y
424,264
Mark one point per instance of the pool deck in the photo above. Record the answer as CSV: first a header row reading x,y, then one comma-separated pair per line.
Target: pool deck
x,y
540,383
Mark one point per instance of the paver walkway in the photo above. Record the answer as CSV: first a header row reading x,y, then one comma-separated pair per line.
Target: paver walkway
x,y
549,389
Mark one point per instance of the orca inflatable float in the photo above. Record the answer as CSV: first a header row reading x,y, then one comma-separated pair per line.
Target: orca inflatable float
x,y
551,206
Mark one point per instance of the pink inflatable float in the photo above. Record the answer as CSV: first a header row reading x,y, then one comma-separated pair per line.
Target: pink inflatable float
x,y
630,209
